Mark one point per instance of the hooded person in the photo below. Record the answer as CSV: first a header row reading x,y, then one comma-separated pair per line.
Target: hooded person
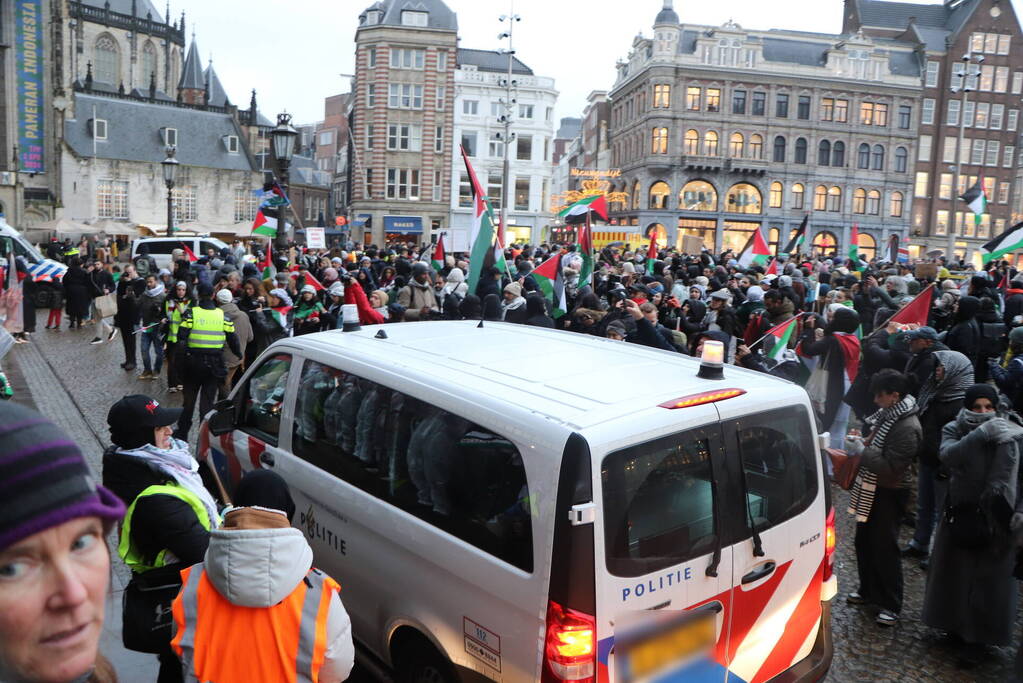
x,y
839,350
1009,378
513,308
470,308
419,297
971,591
257,603
491,307
965,333
754,302
785,287
537,311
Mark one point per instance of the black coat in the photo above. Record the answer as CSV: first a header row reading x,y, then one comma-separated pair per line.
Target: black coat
x,y
78,288
129,301
159,522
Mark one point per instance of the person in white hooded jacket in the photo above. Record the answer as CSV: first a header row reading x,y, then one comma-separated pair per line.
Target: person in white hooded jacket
x,y
255,609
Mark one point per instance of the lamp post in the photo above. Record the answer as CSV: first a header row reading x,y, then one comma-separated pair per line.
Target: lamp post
x,y
508,102
964,86
282,140
170,172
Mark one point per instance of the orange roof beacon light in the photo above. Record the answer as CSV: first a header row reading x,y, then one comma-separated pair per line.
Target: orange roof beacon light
x,y
712,360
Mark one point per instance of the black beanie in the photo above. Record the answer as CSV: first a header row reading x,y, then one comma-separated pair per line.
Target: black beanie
x,y
265,489
980,391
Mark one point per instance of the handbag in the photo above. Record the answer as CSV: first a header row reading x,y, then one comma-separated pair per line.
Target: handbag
x,y
845,467
817,387
106,305
146,620
968,525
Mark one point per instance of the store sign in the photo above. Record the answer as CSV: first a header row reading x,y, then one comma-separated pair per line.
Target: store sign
x,y
403,224
316,238
28,66
595,173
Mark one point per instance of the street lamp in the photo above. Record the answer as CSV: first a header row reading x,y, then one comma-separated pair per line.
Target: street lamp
x,y
964,86
170,172
282,139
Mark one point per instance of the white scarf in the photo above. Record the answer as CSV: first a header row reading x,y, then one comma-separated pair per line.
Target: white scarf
x,y
178,464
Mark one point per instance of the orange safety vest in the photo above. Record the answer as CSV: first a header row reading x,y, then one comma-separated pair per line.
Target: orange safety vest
x,y
221,642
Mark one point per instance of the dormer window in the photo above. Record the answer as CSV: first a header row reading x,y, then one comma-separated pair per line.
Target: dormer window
x,y
170,136
410,18
231,142
98,128
372,17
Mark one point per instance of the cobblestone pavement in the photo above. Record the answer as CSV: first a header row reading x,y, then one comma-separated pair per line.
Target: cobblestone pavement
x,y
75,383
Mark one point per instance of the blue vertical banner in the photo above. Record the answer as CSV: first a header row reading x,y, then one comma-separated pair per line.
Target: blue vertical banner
x,y
28,49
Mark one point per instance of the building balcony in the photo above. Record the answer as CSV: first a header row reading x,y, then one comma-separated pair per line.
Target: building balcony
x,y
703,163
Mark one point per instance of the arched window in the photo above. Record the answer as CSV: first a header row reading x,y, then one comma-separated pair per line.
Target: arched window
x,y
823,153
659,193
756,147
873,202
710,143
107,61
774,197
800,151
636,194
659,141
692,142
744,198
859,200
838,154
878,158
698,195
825,244
735,146
779,149
866,245
148,63
820,198
901,159
798,195
896,205
835,199
863,156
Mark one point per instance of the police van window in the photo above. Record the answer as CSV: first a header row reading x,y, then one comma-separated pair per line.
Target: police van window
x,y
160,247
203,246
456,475
262,400
778,456
6,244
658,503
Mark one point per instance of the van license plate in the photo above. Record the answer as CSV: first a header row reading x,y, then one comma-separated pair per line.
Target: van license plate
x,y
665,649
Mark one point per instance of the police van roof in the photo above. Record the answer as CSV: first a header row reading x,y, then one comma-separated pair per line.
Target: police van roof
x,y
577,379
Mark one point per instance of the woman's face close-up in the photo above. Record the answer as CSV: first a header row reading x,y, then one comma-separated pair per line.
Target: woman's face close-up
x,y
983,405
52,591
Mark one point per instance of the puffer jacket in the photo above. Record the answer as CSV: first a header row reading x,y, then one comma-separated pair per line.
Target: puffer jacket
x,y
256,559
891,463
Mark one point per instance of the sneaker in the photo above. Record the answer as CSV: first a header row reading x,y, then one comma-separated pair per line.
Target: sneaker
x,y
172,390
912,551
181,387
145,374
96,340
113,333
855,598
887,618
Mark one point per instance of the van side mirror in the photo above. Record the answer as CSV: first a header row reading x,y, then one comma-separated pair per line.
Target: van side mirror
x,y
222,419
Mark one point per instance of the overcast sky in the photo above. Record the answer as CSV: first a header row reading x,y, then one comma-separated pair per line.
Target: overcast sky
x,y
294,52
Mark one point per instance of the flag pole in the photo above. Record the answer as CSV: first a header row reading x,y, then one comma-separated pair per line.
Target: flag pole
x,y
589,239
766,334
507,269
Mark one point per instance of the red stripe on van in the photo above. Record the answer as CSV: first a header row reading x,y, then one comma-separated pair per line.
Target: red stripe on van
x,y
256,449
797,629
749,605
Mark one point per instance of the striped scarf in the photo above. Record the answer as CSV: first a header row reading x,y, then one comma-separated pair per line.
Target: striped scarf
x,y
861,498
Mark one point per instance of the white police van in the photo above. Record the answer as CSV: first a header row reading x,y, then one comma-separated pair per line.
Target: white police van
x,y
162,248
511,503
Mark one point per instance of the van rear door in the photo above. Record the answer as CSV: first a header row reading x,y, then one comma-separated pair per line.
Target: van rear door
x,y
778,491
664,572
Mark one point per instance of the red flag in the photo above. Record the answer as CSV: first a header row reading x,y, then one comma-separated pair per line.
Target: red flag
x,y
309,279
916,311
772,268
192,258
438,254
268,252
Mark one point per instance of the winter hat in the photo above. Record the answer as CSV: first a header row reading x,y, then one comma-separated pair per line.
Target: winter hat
x,y
281,294
723,294
336,289
265,489
513,288
337,261
44,479
204,290
224,296
755,294
702,280
973,393
628,268
785,281
181,283
164,271
1016,336
329,274
308,288
618,327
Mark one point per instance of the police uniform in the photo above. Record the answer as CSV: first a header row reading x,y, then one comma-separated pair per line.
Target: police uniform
x,y
203,333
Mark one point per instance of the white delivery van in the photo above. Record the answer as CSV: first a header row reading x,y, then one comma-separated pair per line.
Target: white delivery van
x,y
512,503
161,248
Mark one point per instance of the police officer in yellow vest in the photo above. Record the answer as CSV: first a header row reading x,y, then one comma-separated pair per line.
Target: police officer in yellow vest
x,y
168,523
202,334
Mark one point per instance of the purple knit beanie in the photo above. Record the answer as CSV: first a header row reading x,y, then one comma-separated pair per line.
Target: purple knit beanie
x,y
44,479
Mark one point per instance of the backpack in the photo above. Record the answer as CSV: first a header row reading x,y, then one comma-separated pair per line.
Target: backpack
x,y
142,264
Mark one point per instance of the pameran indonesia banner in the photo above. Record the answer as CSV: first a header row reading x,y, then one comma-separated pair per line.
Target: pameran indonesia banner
x,y
28,48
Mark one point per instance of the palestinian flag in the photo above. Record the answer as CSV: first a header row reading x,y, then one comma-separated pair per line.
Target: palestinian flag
x,y
280,315
780,335
265,223
585,248
1006,243
651,254
548,278
755,251
772,267
438,254
268,262
192,258
482,233
975,199
308,279
917,311
272,196
578,212
797,241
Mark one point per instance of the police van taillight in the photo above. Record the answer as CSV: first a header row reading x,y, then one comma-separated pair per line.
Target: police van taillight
x,y
830,542
570,646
